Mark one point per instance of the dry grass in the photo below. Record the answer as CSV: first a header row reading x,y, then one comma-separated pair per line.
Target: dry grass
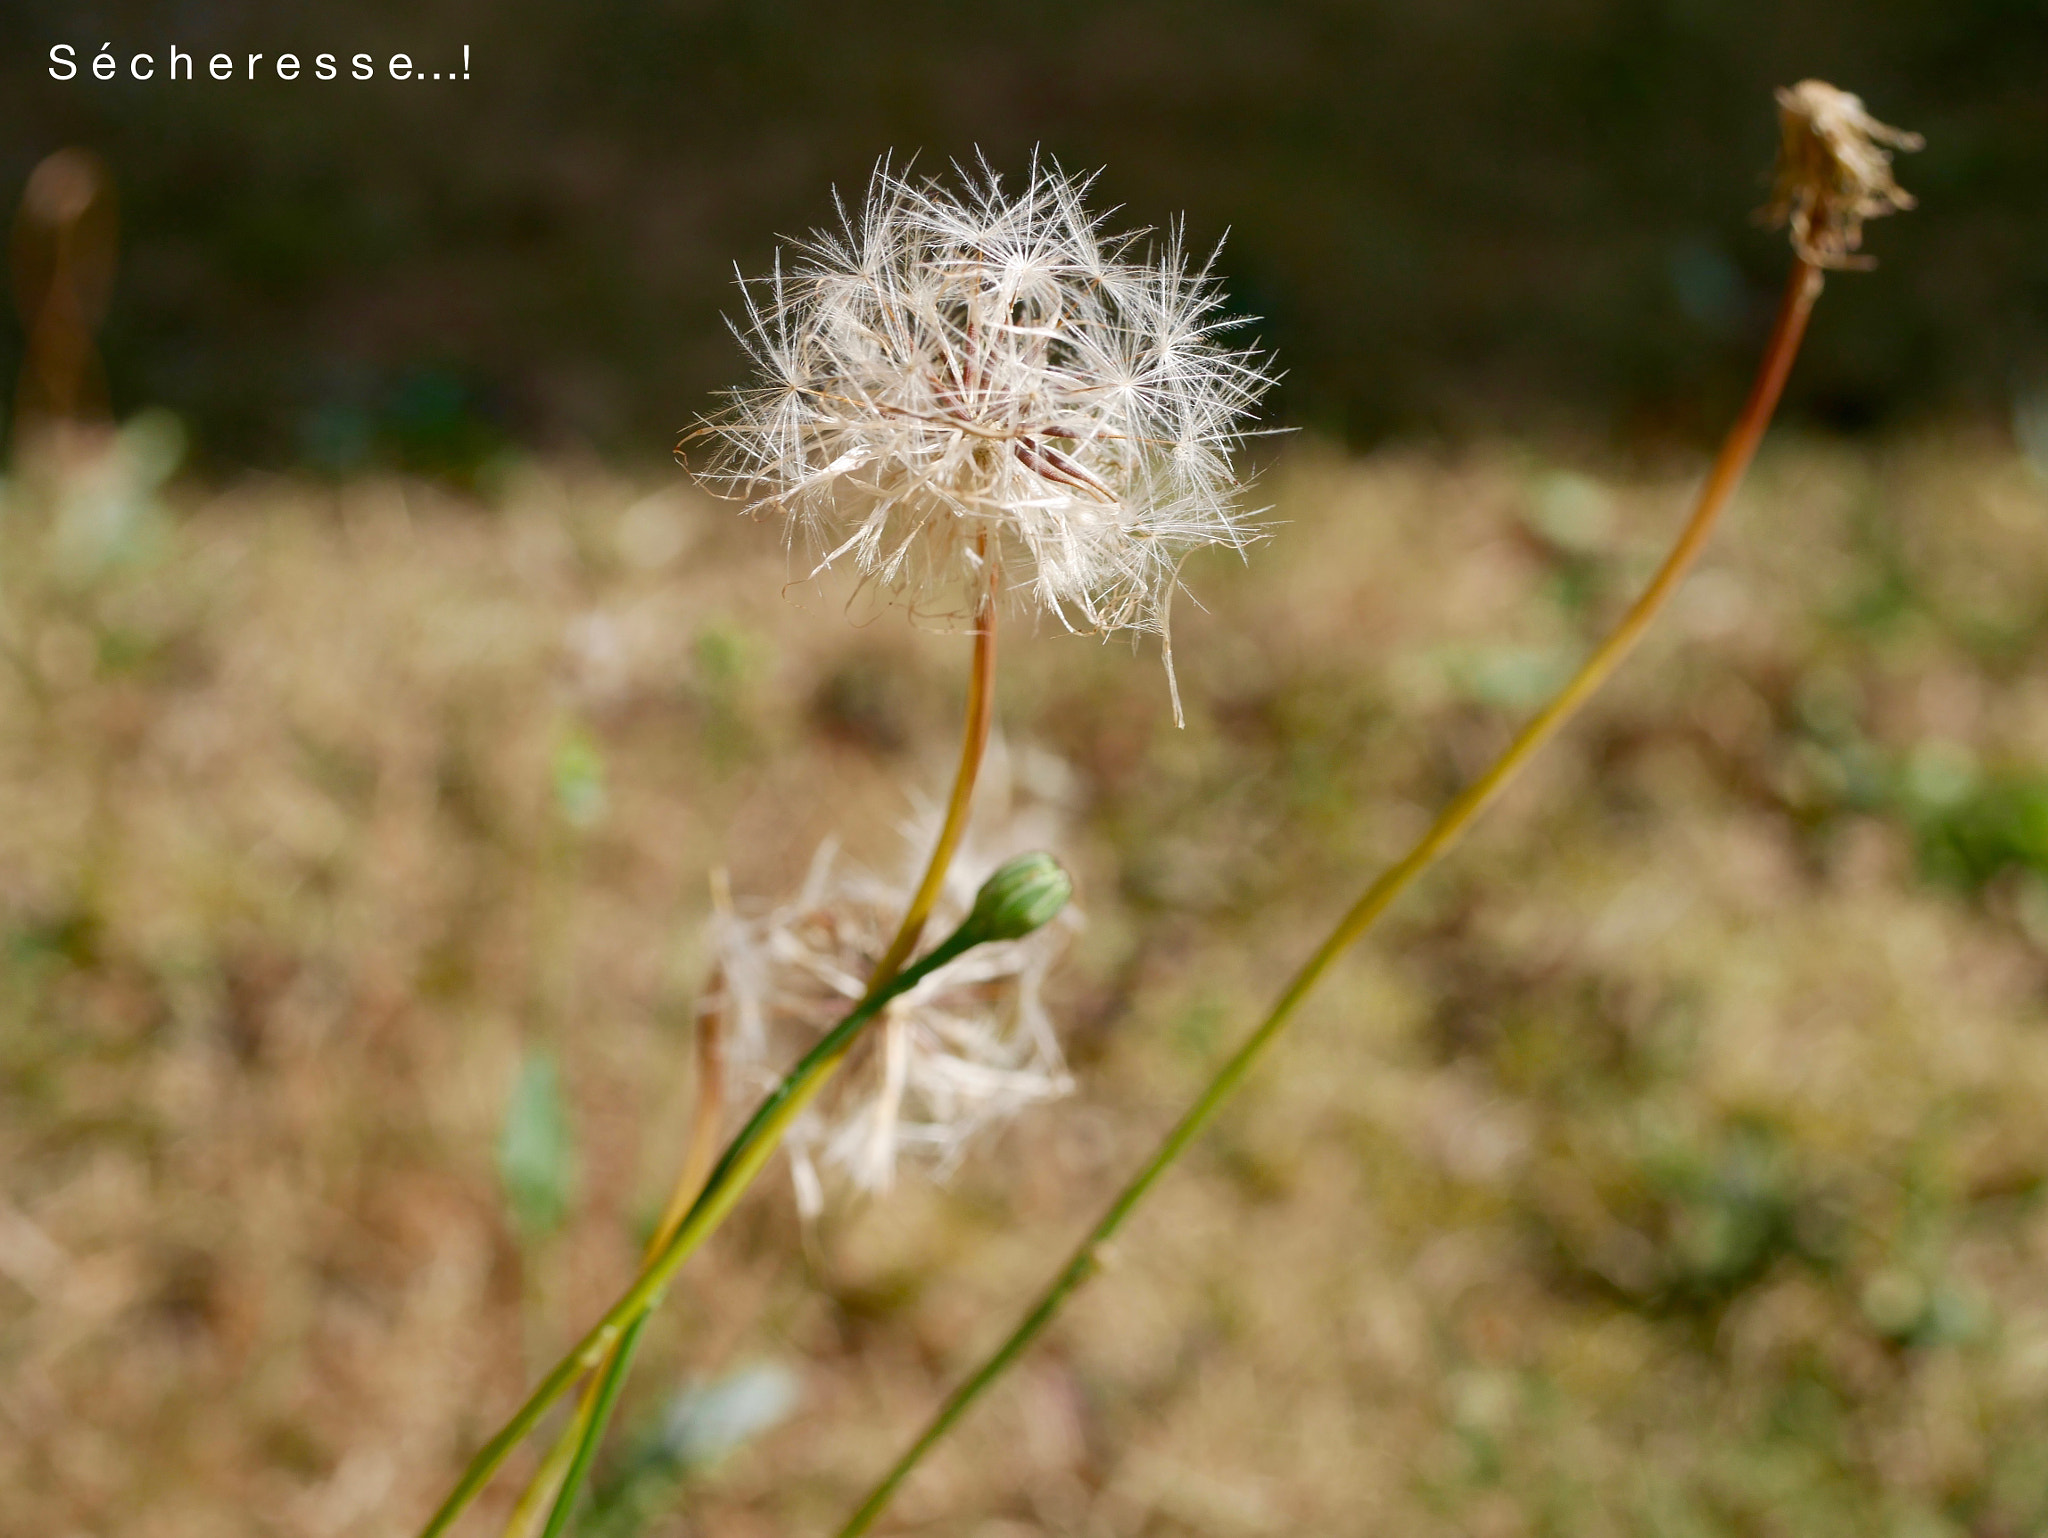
x,y
1673,1165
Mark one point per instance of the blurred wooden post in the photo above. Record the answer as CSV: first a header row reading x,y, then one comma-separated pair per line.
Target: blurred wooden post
x,y
63,261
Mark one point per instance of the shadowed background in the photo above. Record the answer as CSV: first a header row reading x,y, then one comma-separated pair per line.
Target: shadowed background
x,y
1449,216
1671,1164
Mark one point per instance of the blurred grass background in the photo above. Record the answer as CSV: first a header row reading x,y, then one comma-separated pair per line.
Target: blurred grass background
x,y
1672,1165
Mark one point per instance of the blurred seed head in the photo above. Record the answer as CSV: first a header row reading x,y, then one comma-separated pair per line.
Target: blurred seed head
x,y
1833,172
960,375
967,1048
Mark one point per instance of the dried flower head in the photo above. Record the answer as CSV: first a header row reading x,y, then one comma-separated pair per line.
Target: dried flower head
x,y
960,376
966,1048
1833,172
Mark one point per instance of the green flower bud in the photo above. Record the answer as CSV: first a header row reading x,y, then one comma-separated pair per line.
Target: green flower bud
x,y
1027,892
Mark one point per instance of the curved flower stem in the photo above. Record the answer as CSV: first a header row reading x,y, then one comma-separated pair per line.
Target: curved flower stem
x,y
601,1394
1736,451
981,698
608,1347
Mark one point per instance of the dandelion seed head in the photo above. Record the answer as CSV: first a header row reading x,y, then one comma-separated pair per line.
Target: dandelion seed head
x,y
960,376
1833,172
966,1049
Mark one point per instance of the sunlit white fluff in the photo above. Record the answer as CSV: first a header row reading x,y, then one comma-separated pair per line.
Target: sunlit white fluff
x,y
968,1047
960,375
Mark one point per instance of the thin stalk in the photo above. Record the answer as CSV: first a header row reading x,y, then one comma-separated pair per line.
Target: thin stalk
x,y
1736,452
981,696
593,1413
602,1396
568,1463
705,1120
609,1345
742,1160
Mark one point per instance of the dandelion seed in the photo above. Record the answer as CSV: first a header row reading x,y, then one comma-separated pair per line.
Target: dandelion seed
x,y
966,1049
1833,173
959,376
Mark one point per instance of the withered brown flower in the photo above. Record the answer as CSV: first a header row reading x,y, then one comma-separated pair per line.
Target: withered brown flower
x,y
1833,172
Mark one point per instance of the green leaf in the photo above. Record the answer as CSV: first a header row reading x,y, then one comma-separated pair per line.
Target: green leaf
x,y
578,771
536,1158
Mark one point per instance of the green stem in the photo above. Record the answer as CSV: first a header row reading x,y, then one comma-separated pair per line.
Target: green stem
x,y
547,1477
593,1412
1729,465
546,1482
729,1178
596,1414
